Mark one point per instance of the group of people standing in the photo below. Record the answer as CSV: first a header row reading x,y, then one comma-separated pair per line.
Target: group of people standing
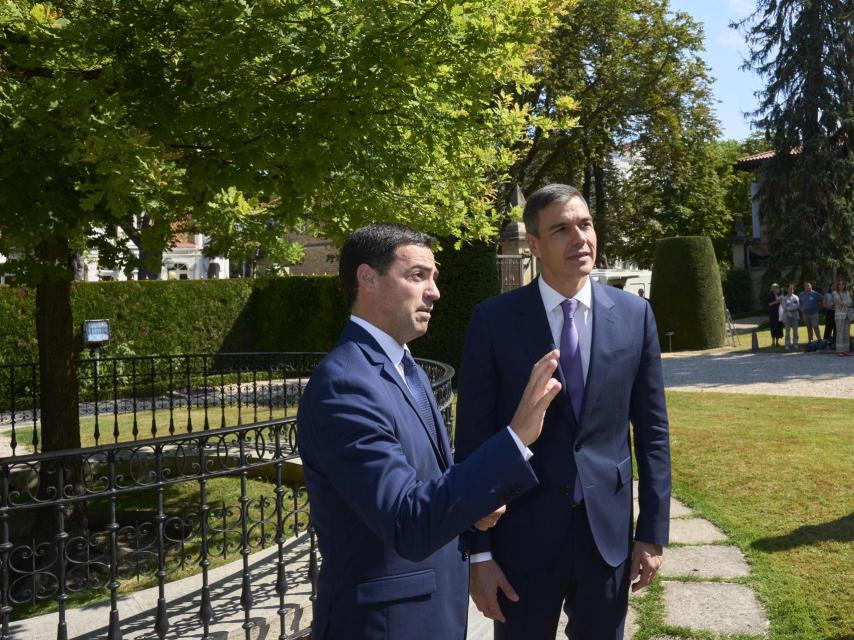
x,y
785,311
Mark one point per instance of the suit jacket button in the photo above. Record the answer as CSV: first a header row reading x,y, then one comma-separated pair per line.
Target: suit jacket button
x,y
567,490
578,446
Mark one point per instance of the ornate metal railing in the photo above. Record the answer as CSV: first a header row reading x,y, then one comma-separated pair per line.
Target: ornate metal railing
x,y
128,398
104,520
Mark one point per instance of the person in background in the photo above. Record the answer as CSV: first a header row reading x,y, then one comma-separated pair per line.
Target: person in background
x,y
829,314
811,301
791,305
841,306
773,300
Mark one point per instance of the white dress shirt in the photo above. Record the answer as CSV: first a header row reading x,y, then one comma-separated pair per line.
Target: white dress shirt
x,y
583,320
583,317
394,351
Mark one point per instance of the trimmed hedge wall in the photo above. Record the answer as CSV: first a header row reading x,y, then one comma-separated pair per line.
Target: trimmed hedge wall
x,y
199,316
686,293
467,276
296,313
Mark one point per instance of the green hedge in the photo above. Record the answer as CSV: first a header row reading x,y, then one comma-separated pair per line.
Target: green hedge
x,y
466,277
296,313
18,337
738,291
686,293
200,316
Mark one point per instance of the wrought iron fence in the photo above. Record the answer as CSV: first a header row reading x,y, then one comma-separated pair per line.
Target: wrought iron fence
x,y
128,398
100,520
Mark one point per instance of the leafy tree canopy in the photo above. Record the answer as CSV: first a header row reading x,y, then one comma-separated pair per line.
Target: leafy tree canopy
x,y
803,50
143,116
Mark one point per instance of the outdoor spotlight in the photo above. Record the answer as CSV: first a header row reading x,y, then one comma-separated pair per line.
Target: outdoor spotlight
x,y
96,333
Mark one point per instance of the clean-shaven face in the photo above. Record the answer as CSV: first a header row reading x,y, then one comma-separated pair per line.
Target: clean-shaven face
x,y
565,244
406,293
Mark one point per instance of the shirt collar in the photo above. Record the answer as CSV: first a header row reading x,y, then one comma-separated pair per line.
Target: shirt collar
x,y
392,348
552,298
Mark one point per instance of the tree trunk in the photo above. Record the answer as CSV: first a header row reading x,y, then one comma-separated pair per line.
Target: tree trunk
x,y
60,421
600,220
586,182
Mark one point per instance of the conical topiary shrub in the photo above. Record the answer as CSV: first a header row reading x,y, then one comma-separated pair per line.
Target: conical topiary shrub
x,y
686,293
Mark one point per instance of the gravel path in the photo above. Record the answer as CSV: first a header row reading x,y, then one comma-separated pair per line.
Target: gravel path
x,y
795,374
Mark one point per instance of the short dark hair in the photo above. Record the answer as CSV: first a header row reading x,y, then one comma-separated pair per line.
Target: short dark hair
x,y
374,245
542,198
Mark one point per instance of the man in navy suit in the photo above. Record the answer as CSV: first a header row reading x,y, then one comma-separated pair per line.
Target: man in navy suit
x,y
568,542
386,501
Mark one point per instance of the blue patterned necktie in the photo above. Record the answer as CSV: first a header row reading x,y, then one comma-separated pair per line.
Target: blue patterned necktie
x,y
573,370
419,393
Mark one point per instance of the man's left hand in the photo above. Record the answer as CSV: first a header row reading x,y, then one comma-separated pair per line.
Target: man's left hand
x,y
487,522
646,559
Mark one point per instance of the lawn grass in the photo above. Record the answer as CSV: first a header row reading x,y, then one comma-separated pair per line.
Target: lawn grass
x,y
777,474
764,337
161,419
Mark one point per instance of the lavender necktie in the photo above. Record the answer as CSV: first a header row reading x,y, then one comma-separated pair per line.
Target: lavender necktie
x,y
573,371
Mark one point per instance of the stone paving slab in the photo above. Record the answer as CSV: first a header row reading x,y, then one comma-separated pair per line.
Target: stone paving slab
x,y
707,561
679,510
480,628
721,608
694,531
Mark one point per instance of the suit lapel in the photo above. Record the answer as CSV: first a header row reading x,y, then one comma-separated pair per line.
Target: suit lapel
x,y
537,337
379,358
606,330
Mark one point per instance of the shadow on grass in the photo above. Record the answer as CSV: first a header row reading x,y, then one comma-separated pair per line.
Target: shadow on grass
x,y
839,530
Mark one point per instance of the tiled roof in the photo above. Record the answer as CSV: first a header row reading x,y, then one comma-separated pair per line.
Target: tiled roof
x,y
747,163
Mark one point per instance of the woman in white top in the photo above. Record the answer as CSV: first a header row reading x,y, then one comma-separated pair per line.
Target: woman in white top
x,y
841,306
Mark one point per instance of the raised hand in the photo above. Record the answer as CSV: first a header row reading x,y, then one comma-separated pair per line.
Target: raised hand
x,y
541,389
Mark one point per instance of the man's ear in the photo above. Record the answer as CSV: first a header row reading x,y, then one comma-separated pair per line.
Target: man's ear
x,y
533,244
366,277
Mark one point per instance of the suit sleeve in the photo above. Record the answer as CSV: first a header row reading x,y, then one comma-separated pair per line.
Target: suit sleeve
x,y
651,440
477,393
351,438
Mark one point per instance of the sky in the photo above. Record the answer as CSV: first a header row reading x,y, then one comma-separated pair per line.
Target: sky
x,y
725,52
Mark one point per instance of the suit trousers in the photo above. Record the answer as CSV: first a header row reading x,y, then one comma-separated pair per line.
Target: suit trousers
x,y
594,594
829,324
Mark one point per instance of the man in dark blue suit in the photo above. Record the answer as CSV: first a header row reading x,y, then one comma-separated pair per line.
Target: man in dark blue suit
x,y
568,542
386,501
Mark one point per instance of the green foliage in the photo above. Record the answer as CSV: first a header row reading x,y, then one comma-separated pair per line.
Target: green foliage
x,y
18,339
331,113
145,317
803,50
674,189
299,313
467,276
123,120
168,317
686,293
642,93
738,291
